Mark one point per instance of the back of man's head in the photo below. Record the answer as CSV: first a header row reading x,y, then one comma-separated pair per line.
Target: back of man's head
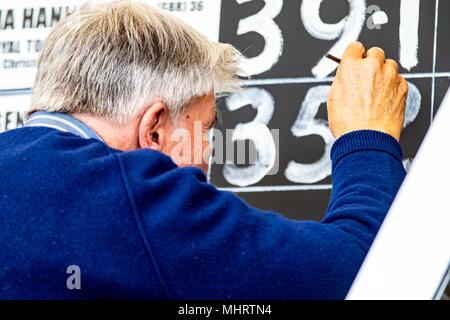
x,y
108,60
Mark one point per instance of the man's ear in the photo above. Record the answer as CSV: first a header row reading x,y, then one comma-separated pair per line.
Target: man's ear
x,y
155,127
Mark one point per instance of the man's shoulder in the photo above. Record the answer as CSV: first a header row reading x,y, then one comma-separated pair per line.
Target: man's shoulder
x,y
43,139
46,158
149,169
55,158
64,152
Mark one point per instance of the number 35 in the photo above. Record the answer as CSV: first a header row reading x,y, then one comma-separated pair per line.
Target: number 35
x,y
305,124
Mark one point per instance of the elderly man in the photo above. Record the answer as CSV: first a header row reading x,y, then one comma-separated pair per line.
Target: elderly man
x,y
101,200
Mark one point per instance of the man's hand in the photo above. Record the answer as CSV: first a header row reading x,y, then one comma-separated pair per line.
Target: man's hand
x,y
368,93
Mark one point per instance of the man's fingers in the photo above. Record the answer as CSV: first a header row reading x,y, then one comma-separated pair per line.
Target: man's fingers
x,y
376,53
354,50
391,64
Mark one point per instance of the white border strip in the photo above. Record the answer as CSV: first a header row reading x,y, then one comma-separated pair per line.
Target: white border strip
x,y
272,81
256,82
278,188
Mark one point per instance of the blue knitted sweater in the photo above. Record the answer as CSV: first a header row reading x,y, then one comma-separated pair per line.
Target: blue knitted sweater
x,y
137,226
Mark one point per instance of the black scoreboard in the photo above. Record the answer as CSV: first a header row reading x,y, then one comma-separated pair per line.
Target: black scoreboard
x,y
280,116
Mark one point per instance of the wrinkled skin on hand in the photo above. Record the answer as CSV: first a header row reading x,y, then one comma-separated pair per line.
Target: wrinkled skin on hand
x,y
368,93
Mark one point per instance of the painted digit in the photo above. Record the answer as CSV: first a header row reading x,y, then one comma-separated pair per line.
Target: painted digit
x,y
305,125
263,23
348,28
256,131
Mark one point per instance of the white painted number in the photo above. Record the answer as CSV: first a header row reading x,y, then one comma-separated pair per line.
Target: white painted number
x,y
263,23
413,101
409,33
305,125
256,131
348,28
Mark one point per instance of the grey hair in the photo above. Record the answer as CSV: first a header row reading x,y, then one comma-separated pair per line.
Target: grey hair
x,y
109,60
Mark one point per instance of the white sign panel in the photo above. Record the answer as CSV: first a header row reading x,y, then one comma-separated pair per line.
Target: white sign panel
x,y
12,110
24,25
411,253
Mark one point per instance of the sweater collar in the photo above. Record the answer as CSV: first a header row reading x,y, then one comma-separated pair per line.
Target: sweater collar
x,y
62,122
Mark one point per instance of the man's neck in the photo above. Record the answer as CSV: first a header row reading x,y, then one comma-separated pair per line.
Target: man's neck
x,y
120,137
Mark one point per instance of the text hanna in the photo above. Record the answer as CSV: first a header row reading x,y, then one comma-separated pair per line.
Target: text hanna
x,y
29,18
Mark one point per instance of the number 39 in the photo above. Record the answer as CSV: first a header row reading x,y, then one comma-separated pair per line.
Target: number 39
x,y
347,30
